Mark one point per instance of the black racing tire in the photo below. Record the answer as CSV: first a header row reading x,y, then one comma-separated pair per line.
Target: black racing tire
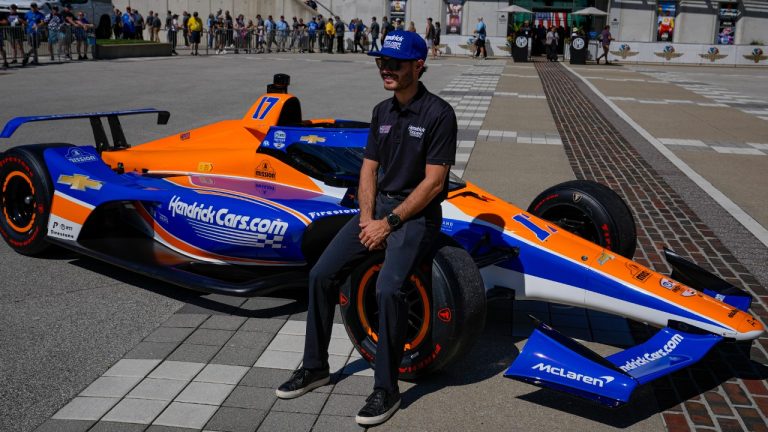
x,y
590,210
26,192
446,310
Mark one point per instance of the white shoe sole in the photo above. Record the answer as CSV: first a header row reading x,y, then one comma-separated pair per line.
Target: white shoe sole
x,y
302,391
372,421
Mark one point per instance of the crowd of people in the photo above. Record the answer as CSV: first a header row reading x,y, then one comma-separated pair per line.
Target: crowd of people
x,y
220,33
223,32
60,28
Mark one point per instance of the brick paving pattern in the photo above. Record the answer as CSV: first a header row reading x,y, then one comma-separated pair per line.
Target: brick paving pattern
x,y
726,390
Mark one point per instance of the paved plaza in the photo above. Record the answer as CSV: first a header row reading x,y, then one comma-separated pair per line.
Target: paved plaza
x,y
88,347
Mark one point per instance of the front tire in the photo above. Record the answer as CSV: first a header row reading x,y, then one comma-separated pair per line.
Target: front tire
x,y
446,313
590,210
25,201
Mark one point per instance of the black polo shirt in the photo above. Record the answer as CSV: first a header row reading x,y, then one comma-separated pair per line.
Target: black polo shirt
x,y
403,140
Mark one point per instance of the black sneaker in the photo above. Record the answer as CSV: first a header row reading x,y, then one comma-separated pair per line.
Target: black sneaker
x,y
302,381
379,407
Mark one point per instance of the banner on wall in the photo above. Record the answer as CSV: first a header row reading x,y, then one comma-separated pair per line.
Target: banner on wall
x,y
665,23
549,19
728,13
397,10
454,11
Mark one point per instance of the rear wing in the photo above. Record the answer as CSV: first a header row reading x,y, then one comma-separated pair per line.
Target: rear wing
x,y
99,135
551,359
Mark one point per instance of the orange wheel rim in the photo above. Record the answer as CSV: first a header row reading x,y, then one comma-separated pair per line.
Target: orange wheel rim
x,y
13,177
421,293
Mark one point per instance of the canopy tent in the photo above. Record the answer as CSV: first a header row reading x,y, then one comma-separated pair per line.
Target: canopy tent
x,y
590,11
514,9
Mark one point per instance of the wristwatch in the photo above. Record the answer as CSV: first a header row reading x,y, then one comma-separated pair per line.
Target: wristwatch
x,y
394,221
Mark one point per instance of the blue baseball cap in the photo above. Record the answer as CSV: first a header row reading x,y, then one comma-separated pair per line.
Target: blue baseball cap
x,y
403,45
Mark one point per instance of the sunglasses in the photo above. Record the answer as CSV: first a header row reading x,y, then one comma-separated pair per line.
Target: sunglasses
x,y
387,63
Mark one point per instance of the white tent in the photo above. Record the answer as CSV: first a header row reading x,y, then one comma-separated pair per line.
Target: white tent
x,y
590,11
514,9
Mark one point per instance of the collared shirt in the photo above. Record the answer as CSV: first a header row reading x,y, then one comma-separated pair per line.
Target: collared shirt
x,y
403,140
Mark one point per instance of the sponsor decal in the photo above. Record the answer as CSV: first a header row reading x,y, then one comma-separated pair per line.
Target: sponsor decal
x,y
733,313
265,170
79,182
62,229
756,55
651,357
204,166
416,131
604,258
668,284
577,197
312,139
279,137
315,215
688,292
269,232
720,297
713,53
426,361
384,129
625,51
185,136
521,41
78,155
562,372
668,53
392,42
638,273
447,225
445,315
343,300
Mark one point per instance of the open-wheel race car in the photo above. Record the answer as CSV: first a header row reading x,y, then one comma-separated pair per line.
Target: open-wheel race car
x,y
243,207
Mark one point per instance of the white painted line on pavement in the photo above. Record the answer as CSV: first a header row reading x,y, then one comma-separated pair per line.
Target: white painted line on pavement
x,y
740,215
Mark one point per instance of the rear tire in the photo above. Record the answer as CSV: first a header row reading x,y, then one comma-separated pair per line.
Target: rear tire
x,y
25,200
591,211
446,310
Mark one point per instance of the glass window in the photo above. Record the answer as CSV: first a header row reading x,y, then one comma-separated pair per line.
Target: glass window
x,y
665,21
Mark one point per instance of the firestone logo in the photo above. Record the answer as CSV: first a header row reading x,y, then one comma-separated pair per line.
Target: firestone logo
x,y
651,357
224,218
586,379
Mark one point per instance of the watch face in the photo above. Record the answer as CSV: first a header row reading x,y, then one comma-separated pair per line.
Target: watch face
x,y
393,220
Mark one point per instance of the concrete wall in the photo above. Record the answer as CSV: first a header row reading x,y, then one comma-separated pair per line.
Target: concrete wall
x,y
695,28
749,29
632,24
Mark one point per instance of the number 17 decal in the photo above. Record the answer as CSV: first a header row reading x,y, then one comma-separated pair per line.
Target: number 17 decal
x,y
265,106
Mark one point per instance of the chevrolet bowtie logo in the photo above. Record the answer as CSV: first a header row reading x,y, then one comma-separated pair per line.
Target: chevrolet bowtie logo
x,y
79,182
312,139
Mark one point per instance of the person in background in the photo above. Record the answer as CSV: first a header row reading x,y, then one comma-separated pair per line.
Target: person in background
x,y
172,32
68,26
156,27
436,42
185,27
269,29
480,34
605,40
16,21
359,35
373,32
81,35
53,22
412,27
129,27
35,24
3,23
429,36
140,23
386,27
195,25
330,33
312,33
321,35
340,28
281,27
211,24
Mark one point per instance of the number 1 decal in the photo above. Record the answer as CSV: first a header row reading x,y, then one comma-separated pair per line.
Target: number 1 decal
x,y
267,102
525,221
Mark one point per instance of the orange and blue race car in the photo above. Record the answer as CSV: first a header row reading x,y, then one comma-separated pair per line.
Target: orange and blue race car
x,y
243,207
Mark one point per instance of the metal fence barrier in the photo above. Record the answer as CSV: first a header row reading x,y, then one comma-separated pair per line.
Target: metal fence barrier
x,y
65,43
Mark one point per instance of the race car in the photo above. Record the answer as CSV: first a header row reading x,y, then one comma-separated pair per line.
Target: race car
x,y
246,206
